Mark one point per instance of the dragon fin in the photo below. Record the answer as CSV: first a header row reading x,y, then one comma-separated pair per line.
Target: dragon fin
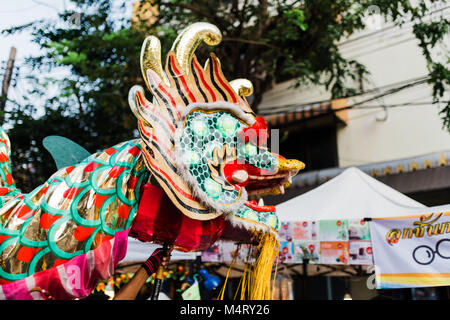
x,y
64,151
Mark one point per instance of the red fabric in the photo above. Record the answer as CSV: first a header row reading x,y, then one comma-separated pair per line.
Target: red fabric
x,y
158,220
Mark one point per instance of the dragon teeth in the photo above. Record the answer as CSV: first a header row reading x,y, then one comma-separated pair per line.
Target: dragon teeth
x,y
261,202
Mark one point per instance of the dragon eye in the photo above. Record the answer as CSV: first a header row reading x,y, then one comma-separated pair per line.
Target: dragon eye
x,y
199,128
213,189
250,149
227,125
191,157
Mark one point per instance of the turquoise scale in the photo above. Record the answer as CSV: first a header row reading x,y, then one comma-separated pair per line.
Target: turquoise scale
x,y
109,180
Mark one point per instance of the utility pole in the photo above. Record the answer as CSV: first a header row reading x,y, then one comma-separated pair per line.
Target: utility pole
x,y
6,83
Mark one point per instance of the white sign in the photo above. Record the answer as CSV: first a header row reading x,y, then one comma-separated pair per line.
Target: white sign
x,y
412,251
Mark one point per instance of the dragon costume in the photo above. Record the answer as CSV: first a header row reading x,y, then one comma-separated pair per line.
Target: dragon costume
x,y
186,181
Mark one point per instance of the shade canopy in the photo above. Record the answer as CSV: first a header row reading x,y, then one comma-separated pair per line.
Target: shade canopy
x,y
351,195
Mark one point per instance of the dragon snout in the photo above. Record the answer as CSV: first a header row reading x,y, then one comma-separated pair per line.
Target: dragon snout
x,y
289,164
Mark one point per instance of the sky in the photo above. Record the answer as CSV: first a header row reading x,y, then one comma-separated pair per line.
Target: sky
x,y
19,12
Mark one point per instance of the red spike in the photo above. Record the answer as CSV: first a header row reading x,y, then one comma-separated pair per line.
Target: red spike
x,y
202,79
182,79
222,82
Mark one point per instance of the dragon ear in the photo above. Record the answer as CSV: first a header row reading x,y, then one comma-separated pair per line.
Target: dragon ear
x,y
137,101
151,115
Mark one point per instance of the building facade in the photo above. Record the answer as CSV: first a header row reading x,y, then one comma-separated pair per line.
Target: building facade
x,y
391,130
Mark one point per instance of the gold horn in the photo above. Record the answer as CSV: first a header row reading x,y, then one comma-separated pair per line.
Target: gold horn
x,y
151,59
242,87
189,39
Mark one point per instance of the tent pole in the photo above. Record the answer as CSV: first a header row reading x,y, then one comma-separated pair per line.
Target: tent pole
x,y
305,278
329,289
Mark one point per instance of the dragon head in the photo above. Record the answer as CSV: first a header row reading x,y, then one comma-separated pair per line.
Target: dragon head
x,y
201,140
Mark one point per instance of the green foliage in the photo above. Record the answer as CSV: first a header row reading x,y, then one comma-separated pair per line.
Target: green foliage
x,y
90,105
266,41
273,41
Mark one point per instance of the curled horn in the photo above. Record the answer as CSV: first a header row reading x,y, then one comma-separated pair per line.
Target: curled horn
x,y
242,87
132,94
151,59
189,39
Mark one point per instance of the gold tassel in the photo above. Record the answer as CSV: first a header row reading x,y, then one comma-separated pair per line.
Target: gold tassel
x,y
274,277
256,280
222,291
260,280
241,282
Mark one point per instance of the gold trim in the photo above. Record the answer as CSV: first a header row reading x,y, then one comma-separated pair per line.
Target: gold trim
x,y
442,160
242,87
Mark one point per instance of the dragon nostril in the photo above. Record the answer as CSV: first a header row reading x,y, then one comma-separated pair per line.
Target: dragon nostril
x,y
240,176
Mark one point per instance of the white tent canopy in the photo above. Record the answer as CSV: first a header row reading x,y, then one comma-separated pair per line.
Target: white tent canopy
x,y
351,195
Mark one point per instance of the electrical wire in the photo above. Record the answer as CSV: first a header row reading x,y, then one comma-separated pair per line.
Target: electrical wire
x,y
46,5
391,88
373,107
19,10
425,103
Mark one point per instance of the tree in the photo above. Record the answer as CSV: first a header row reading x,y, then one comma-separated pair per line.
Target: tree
x,y
266,41
91,107
272,41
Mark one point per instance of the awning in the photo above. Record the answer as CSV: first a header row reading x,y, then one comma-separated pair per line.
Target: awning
x,y
289,115
385,169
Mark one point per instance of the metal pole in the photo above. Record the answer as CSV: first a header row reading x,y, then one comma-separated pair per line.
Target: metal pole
x,y
305,278
7,81
160,275
329,289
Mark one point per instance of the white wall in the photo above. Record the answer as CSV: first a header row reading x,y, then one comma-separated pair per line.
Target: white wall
x,y
392,55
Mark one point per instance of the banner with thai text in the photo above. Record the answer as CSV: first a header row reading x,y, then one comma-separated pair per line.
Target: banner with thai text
x,y
411,251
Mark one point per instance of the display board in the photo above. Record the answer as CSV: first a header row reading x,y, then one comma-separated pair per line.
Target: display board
x,y
341,242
